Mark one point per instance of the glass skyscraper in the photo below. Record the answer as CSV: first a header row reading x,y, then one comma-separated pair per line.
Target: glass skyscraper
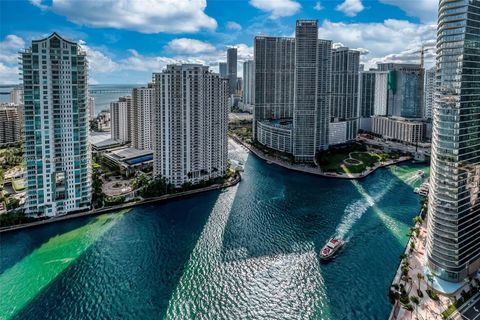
x,y
453,247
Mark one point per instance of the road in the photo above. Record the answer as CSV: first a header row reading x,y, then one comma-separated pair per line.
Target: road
x,y
471,312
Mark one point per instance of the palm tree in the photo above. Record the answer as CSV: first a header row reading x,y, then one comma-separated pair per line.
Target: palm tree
x,y
420,277
416,302
418,220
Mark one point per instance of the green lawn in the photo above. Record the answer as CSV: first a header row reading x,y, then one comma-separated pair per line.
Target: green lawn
x,y
333,160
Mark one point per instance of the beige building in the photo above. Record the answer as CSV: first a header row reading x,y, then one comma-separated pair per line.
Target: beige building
x,y
9,125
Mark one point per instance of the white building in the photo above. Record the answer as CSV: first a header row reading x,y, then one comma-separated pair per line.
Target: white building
x,y
142,109
91,107
429,92
56,148
248,85
190,116
411,131
344,102
381,93
121,119
16,96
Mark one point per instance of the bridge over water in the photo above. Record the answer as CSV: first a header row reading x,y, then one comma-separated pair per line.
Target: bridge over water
x,y
116,90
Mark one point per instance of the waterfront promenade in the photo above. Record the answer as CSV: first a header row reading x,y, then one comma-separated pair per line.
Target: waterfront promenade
x,y
426,308
123,206
315,170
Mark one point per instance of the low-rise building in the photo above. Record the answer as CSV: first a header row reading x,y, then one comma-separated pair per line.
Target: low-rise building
x,y
127,160
406,130
276,134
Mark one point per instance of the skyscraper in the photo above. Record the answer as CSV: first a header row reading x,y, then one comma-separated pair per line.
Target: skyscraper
x,y
305,90
372,93
381,94
232,70
366,94
142,113
9,124
324,92
121,119
345,69
292,92
274,77
248,85
405,89
222,69
453,244
91,107
430,86
56,148
190,138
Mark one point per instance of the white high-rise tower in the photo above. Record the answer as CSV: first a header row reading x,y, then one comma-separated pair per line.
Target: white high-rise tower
x,y
190,138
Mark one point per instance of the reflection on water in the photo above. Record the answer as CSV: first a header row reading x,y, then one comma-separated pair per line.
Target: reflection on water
x,y
249,252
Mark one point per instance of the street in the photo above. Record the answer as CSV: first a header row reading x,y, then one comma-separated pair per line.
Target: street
x,y
471,312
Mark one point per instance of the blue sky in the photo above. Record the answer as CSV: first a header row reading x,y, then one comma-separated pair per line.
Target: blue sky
x,y
128,40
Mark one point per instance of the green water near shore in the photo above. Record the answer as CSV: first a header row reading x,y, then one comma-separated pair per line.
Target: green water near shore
x,y
21,283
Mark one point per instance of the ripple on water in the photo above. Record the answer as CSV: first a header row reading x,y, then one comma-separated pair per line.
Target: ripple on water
x,y
250,252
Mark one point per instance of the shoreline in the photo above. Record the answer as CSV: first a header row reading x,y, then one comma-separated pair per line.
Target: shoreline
x,y
127,205
317,172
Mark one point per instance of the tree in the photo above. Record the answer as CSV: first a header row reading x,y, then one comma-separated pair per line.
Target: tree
x,y
420,277
416,302
412,245
418,220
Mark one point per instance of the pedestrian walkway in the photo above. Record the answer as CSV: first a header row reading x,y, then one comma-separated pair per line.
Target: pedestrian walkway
x,y
316,170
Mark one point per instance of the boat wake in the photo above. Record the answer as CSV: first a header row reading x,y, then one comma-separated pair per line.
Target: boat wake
x,y
411,180
355,210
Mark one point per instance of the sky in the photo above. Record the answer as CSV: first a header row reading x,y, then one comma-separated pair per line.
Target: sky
x,y
127,40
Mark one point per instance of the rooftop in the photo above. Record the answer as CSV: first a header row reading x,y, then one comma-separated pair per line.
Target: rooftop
x,y
129,153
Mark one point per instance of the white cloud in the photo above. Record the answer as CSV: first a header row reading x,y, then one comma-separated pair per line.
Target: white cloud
x,y
98,61
9,75
38,3
9,49
318,6
146,16
351,7
185,45
232,25
277,8
426,10
392,40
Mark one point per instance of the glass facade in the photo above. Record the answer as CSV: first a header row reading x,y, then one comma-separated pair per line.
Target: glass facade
x,y
453,246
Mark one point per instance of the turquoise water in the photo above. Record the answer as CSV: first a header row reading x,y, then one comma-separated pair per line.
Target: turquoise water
x,y
248,252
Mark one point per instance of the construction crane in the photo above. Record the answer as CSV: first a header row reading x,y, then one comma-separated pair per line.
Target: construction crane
x,y
422,54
